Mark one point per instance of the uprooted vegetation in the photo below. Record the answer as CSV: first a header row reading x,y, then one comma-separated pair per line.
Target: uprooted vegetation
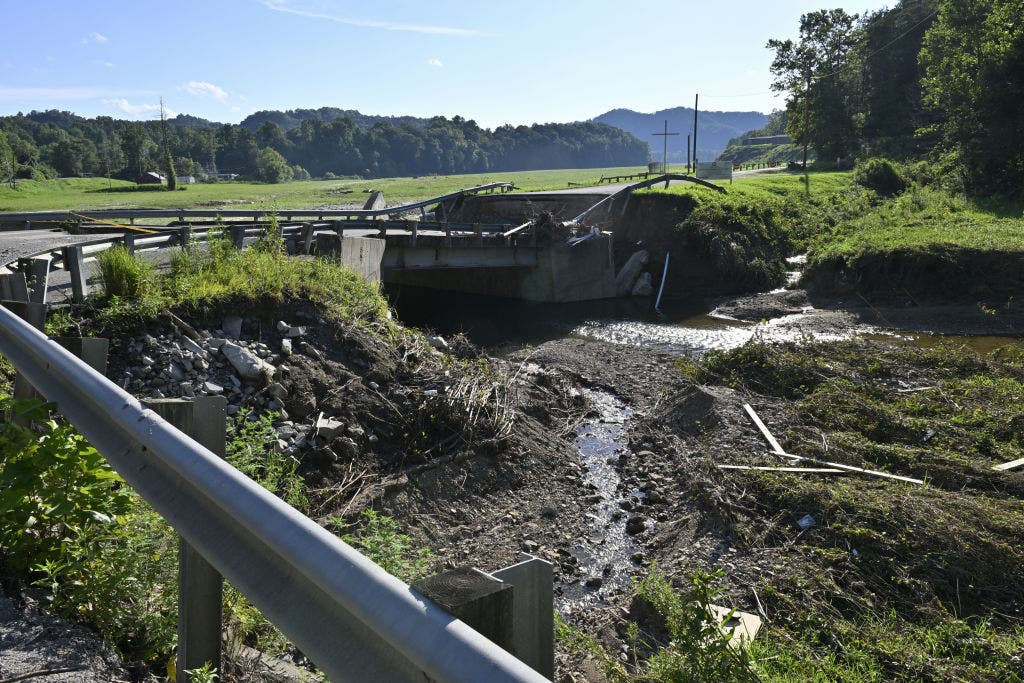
x,y
891,580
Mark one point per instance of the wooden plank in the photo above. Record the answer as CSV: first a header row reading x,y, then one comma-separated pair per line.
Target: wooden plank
x,y
1009,465
808,470
851,468
764,430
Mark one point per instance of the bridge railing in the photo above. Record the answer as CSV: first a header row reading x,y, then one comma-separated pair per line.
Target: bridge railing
x,y
353,619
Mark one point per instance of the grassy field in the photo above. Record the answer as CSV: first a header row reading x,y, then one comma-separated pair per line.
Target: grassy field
x,y
94,193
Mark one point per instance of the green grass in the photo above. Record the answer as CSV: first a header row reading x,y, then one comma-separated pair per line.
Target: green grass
x,y
923,218
922,246
220,276
91,193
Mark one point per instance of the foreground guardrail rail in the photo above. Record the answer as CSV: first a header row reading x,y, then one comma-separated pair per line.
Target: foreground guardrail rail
x,y
354,620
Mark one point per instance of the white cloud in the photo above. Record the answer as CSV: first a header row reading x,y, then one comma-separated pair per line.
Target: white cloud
x,y
204,89
95,37
290,7
435,62
138,111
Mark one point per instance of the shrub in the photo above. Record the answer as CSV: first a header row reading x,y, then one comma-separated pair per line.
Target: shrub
x,y
881,175
124,274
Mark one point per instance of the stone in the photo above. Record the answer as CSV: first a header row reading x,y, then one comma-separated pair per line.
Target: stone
x,y
643,286
286,347
630,271
295,332
328,427
215,343
438,343
232,327
635,525
186,389
192,346
594,582
246,363
277,390
213,388
282,326
176,372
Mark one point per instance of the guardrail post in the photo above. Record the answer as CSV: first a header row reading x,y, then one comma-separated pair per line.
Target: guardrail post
x,y
128,240
185,235
307,237
478,229
477,598
73,262
37,270
238,235
415,232
35,315
13,287
199,584
447,234
533,612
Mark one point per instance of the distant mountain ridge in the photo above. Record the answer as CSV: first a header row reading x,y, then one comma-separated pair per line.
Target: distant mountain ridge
x,y
714,128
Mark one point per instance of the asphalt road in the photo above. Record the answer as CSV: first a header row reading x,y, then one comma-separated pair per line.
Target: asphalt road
x,y
15,244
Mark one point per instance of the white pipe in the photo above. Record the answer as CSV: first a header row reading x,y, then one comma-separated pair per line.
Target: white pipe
x,y
664,273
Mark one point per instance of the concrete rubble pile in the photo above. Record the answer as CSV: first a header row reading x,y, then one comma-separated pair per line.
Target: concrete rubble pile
x,y
250,374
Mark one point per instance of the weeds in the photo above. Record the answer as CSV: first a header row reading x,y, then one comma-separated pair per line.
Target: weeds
x,y
696,647
381,541
123,274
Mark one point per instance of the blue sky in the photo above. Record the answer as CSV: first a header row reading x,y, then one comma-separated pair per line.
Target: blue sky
x,y
497,62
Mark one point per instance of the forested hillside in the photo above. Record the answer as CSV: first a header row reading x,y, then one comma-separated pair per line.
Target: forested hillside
x,y
276,146
936,79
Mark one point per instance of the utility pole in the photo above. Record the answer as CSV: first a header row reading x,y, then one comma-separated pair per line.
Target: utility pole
x,y
687,152
664,154
696,98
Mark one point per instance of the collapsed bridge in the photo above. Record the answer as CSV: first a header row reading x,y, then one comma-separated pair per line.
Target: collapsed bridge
x,y
546,247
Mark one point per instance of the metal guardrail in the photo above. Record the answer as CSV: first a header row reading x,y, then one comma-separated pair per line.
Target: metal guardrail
x,y
650,182
254,214
354,620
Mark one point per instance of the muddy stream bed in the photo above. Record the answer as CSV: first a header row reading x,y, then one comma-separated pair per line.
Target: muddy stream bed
x,y
610,551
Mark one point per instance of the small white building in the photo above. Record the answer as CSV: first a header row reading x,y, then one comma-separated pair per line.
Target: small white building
x,y
185,179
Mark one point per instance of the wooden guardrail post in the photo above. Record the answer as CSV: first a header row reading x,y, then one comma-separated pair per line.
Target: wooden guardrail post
x,y
238,235
480,600
74,262
200,586
128,240
37,272
513,606
307,237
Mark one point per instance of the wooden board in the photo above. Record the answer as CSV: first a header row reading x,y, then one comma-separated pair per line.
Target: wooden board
x,y
808,470
764,430
1009,465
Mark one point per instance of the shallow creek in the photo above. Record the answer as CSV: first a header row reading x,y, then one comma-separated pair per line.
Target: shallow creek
x,y
608,553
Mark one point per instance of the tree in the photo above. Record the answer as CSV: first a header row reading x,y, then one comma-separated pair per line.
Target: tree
x,y
110,157
973,57
134,143
172,176
7,164
819,110
272,167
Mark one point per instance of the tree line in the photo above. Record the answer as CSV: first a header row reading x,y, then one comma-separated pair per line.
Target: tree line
x,y
58,143
938,79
